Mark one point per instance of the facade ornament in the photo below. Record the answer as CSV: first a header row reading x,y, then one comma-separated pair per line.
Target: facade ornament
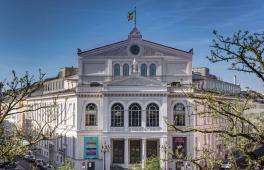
x,y
135,66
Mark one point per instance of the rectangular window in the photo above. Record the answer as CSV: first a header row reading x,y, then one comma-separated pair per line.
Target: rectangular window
x,y
73,147
61,113
73,114
135,151
152,148
118,151
65,113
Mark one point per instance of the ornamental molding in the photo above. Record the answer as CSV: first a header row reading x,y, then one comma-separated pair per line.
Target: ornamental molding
x,y
86,95
136,94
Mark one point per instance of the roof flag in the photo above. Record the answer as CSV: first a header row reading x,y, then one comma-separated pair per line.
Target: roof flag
x,y
132,16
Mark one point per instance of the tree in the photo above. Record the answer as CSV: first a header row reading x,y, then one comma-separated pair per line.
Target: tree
x,y
244,51
15,140
241,131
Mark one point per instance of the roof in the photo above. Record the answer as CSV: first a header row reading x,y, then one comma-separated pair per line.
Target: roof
x,y
80,52
169,47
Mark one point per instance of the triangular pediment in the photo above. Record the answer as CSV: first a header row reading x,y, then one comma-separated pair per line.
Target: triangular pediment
x,y
148,48
135,80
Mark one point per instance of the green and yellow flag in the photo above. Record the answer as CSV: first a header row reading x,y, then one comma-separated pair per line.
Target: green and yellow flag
x,y
132,16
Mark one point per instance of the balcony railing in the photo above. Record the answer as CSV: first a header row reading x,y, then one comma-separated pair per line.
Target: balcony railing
x,y
135,129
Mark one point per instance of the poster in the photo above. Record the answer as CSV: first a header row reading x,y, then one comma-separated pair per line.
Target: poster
x,y
180,144
90,148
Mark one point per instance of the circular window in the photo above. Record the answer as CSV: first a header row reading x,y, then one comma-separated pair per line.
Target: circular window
x,y
134,49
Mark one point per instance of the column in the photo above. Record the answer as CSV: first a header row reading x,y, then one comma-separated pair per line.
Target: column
x,y
164,114
143,151
126,117
164,149
143,119
126,153
105,118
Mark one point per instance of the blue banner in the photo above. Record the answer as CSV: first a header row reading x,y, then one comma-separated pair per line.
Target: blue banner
x,y
90,147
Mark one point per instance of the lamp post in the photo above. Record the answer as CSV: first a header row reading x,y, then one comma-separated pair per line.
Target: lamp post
x,y
165,149
105,148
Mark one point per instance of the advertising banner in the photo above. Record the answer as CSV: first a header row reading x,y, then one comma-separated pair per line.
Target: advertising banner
x,y
90,148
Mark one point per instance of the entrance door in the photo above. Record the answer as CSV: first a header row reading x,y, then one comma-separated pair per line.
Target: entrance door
x,y
135,151
90,165
118,151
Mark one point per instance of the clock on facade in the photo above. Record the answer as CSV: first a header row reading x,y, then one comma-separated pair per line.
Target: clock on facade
x,y
134,49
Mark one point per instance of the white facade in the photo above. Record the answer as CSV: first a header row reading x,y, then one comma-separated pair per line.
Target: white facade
x,y
122,98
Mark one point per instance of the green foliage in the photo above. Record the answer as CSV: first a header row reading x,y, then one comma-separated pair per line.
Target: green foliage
x,y
67,165
152,163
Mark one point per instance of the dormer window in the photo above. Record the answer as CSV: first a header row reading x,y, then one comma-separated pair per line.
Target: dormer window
x,y
125,70
152,70
116,70
143,70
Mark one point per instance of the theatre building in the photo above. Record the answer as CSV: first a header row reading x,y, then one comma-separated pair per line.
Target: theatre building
x,y
121,98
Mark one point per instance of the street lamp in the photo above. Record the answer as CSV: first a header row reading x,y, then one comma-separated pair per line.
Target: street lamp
x,y
105,148
165,149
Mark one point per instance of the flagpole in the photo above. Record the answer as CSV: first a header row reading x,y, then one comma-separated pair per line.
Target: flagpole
x,y
135,17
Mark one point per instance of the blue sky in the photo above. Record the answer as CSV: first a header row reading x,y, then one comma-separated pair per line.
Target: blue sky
x,y
45,34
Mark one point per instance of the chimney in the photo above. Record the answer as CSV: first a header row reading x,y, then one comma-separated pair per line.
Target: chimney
x,y
235,80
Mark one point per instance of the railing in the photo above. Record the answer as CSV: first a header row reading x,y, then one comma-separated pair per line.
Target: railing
x,y
135,129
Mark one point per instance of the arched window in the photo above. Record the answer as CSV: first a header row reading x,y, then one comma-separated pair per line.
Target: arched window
x,y
116,70
179,114
152,115
134,115
152,70
143,70
91,115
125,70
117,115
